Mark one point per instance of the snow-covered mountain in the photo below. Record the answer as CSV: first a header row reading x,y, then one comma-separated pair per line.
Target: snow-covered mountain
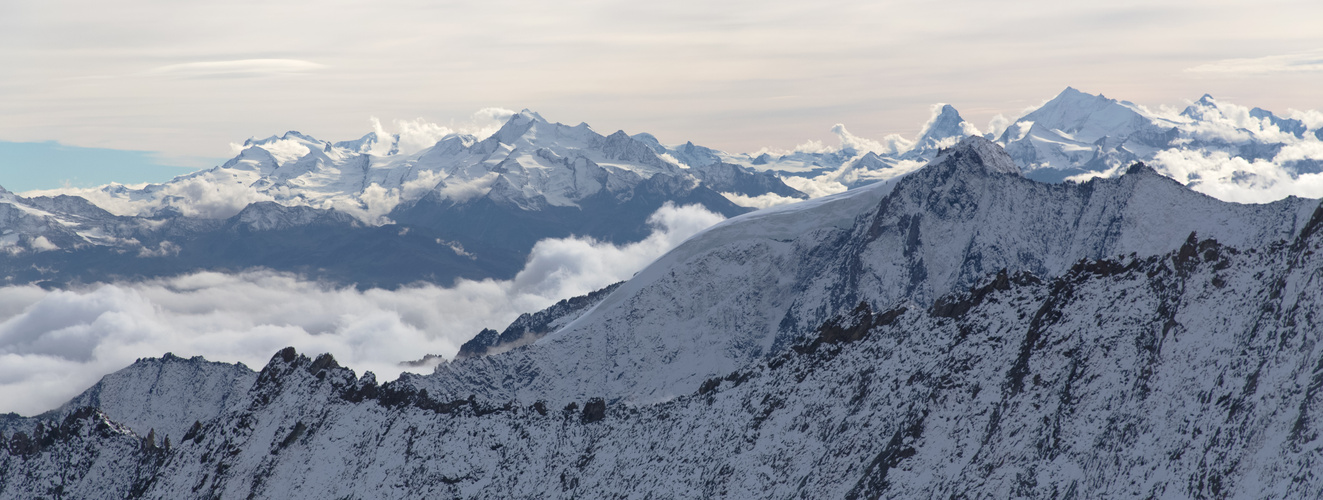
x,y
1078,132
961,331
529,163
752,285
1232,152
477,205
362,212
61,240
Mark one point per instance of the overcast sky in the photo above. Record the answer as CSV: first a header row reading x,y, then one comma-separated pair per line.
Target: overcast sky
x,y
187,78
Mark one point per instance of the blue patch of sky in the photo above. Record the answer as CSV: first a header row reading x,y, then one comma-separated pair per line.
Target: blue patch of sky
x,y
26,166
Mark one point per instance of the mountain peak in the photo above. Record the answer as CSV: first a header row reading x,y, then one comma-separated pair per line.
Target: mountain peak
x,y
294,134
945,127
1204,106
1070,94
1073,95
527,115
518,125
978,153
360,145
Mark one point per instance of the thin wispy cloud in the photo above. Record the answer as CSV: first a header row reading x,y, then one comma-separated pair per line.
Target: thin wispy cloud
x,y
1305,62
242,68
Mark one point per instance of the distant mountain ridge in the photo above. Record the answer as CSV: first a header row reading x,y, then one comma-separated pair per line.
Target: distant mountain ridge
x,y
463,208
1077,134
471,207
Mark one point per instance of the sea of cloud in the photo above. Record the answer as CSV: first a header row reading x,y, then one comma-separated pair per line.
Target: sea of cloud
x,y
55,344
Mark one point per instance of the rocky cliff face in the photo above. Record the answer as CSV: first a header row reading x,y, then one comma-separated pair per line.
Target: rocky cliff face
x,y
961,332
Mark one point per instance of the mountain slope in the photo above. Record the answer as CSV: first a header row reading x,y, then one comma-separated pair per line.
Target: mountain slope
x,y
1185,374
960,331
751,286
166,395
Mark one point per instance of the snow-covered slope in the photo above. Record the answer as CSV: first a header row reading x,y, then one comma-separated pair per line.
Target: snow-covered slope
x,y
751,286
1187,373
168,394
1077,132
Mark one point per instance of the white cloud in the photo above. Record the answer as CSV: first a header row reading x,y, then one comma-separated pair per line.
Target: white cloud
x,y
815,187
167,248
1304,150
486,122
461,190
1311,61
371,206
812,146
218,194
891,144
761,201
236,68
41,244
1232,178
997,125
842,178
383,144
574,266
419,134
1312,118
1231,123
55,344
286,150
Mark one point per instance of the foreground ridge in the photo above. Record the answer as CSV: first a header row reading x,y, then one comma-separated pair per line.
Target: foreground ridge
x,y
1203,386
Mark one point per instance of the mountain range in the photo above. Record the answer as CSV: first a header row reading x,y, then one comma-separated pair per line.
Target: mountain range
x,y
961,330
463,208
363,212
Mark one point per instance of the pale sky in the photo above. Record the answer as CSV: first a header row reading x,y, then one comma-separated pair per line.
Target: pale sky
x,y
187,78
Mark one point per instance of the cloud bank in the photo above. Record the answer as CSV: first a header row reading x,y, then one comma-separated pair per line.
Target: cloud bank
x,y
55,344
1236,179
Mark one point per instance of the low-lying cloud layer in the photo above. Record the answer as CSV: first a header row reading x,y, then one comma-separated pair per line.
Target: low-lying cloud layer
x,y
55,344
